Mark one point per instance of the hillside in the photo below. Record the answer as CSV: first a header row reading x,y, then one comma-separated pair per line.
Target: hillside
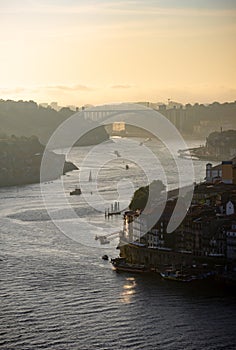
x,y
219,146
140,197
20,161
27,118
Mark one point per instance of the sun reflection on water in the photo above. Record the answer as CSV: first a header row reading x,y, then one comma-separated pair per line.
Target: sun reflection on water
x,y
128,290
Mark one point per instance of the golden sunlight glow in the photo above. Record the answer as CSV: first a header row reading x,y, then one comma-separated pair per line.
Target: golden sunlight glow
x,y
76,53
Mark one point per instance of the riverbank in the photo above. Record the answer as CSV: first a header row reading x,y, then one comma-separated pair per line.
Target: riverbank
x,y
198,153
218,146
157,260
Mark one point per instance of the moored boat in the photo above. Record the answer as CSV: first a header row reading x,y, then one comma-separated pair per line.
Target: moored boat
x,y
175,275
120,264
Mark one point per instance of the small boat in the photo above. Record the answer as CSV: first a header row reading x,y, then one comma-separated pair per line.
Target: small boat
x,y
77,192
176,276
102,239
105,257
117,153
120,264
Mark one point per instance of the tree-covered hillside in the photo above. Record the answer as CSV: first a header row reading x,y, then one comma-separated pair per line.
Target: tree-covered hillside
x,y
20,161
140,197
27,118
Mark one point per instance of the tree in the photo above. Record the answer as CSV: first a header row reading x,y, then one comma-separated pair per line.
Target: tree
x,y
140,197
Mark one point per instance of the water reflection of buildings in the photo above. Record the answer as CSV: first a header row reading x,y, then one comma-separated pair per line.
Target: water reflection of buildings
x,y
128,290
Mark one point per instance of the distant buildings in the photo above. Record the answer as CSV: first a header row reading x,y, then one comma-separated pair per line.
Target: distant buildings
x,y
198,119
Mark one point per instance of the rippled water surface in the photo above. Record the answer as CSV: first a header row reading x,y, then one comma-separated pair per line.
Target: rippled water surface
x,y
57,293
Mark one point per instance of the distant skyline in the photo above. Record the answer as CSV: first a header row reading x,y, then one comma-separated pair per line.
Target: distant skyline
x,y
80,52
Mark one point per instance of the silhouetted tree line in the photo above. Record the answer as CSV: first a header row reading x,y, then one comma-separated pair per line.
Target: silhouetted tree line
x,y
27,118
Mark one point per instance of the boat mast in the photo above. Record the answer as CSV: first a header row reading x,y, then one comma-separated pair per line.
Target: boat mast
x,y
90,176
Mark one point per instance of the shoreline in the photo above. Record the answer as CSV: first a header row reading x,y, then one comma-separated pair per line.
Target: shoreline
x,y
24,178
199,153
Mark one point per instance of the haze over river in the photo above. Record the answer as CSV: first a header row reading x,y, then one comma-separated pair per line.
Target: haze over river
x,y
57,293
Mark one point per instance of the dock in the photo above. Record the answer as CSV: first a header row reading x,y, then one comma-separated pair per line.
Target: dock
x,y
113,210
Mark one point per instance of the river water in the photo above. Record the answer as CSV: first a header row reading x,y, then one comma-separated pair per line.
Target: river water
x,y
57,293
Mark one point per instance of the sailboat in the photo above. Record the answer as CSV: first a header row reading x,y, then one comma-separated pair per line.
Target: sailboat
x,y
90,176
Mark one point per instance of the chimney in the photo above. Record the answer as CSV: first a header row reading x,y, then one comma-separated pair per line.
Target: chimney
x,y
209,172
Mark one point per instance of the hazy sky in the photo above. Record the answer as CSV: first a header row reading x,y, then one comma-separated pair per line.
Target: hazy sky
x,y
99,51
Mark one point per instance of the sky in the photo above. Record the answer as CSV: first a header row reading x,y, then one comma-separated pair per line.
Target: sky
x,y
80,52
